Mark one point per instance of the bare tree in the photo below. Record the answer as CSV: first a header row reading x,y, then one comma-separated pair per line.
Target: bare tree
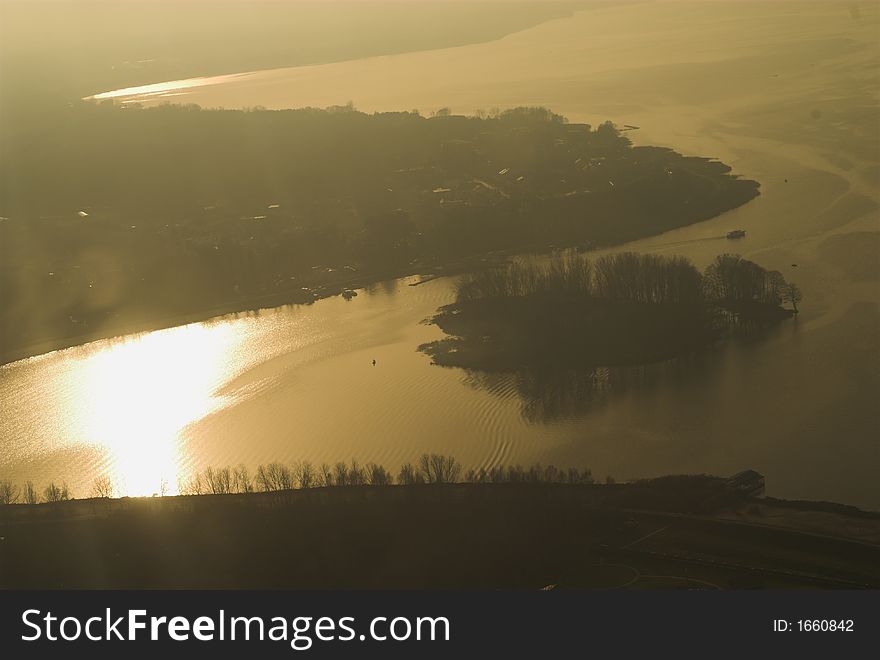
x,y
356,474
409,475
241,480
52,493
734,281
273,477
377,475
283,476
576,476
791,293
535,474
219,481
55,493
774,283
9,492
340,474
325,475
193,486
261,479
306,475
439,469
551,474
30,493
102,487
515,474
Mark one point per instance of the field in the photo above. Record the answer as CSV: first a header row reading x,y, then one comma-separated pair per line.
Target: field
x,y
482,536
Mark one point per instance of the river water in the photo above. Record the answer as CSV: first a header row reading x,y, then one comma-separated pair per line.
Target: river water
x,y
785,93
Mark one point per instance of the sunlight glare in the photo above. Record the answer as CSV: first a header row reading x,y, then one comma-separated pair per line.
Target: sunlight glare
x,y
140,395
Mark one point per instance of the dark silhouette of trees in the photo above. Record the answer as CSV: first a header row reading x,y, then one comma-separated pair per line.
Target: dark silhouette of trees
x,y
516,474
357,476
628,277
748,293
9,492
377,475
439,469
325,475
241,480
732,280
192,486
307,477
539,115
791,294
622,309
409,475
102,487
29,493
55,493
352,474
625,277
274,477
340,474
219,481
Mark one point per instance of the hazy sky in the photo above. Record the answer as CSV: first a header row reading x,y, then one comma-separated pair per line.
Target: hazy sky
x,y
75,48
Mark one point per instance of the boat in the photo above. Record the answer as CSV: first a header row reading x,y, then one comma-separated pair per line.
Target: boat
x,y
736,233
424,279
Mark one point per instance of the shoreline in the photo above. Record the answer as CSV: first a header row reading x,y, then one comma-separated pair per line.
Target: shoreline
x,y
263,301
293,296
296,296
428,272
688,504
142,92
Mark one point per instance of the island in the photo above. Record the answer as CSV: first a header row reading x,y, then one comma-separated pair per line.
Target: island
x,y
117,219
561,323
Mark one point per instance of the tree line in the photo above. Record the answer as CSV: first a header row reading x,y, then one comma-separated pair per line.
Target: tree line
x,y
730,282
618,310
10,493
276,477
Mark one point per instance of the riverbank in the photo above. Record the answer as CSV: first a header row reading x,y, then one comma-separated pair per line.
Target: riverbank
x,y
290,296
297,295
484,536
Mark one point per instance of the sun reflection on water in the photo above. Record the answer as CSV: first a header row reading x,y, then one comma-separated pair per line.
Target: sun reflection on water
x,y
162,89
139,395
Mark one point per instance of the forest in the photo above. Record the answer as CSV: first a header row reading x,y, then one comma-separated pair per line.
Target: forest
x,y
621,309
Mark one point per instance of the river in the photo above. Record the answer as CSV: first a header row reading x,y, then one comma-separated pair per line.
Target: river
x,y
785,93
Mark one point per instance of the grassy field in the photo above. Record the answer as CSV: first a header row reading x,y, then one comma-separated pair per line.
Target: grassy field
x,y
483,536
